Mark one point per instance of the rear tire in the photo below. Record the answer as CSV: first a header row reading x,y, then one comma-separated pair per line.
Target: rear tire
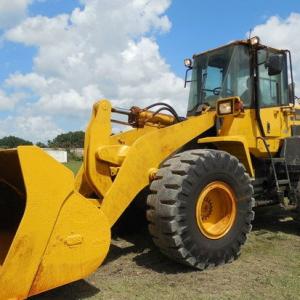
x,y
182,231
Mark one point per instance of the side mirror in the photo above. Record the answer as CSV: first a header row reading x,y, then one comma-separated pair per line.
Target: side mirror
x,y
274,64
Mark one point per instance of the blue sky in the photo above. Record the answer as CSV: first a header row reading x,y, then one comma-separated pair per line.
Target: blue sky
x,y
56,87
201,25
196,26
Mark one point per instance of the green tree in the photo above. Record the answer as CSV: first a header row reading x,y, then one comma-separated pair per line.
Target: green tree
x,y
13,142
41,145
72,139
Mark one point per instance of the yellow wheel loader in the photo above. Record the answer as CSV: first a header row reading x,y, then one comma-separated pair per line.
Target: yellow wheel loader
x,y
238,147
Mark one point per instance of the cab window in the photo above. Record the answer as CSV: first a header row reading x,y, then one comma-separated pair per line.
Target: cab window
x,y
272,90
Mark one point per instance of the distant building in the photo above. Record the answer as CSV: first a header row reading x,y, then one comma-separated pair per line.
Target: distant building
x,y
60,155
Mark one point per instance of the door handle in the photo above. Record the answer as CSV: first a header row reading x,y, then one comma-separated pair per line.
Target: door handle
x,y
268,127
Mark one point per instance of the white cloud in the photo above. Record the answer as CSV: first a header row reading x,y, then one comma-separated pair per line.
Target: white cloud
x,y
284,34
106,49
39,30
32,128
12,11
8,103
69,102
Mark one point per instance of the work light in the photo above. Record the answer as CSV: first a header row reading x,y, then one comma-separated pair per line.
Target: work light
x,y
188,63
230,106
254,40
225,108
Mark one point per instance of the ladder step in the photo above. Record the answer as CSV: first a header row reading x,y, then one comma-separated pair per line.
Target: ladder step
x,y
283,181
278,159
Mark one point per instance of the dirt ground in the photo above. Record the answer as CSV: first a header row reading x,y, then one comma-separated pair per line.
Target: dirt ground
x,y
268,268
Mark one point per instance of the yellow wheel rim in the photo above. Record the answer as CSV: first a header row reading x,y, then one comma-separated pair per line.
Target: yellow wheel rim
x,y
216,210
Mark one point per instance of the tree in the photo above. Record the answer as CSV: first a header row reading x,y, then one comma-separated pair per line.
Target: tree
x,y
13,142
72,139
41,145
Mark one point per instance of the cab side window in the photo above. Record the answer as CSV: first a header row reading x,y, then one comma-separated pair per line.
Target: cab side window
x,y
272,90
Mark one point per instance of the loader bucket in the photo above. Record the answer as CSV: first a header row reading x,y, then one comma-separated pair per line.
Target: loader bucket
x,y
50,235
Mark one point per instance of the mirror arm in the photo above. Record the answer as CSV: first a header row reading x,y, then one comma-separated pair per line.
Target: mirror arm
x,y
185,78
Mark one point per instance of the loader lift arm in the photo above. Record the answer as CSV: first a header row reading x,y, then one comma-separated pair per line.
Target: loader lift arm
x,y
135,155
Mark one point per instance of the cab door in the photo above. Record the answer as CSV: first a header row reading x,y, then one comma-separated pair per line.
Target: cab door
x,y
272,96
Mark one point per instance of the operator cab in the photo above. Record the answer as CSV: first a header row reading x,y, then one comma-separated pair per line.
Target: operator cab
x,y
253,72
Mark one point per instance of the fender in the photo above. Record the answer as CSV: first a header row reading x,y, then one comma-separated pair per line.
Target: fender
x,y
235,145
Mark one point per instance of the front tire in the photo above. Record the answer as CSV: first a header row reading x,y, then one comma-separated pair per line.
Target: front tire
x,y
200,208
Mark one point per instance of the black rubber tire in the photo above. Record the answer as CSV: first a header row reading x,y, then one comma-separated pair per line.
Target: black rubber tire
x,y
172,206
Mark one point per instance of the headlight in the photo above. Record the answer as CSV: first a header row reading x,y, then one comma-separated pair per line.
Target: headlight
x,y
225,108
188,63
230,106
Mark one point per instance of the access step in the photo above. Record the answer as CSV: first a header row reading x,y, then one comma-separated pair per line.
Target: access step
x,y
283,181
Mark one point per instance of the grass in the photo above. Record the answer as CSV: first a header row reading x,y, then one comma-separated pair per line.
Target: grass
x,y
268,268
73,165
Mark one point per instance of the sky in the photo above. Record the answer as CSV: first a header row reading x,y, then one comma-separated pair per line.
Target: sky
x,y
57,57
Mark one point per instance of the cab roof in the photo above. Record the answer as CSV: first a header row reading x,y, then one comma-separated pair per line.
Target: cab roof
x,y
240,42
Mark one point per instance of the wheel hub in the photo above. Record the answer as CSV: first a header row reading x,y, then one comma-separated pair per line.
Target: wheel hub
x,y
206,209
216,210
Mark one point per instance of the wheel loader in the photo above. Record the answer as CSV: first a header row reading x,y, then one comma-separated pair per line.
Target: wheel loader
x,y
238,147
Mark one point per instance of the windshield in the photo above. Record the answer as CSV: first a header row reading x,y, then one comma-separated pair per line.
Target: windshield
x,y
219,74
